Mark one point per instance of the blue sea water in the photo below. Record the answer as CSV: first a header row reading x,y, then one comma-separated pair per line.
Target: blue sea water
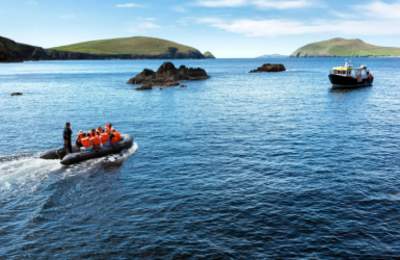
x,y
238,166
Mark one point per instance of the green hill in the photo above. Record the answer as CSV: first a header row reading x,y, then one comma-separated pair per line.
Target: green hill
x,y
208,55
136,47
123,48
344,47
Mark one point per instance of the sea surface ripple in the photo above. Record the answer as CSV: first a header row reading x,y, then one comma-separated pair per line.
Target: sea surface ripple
x,y
239,166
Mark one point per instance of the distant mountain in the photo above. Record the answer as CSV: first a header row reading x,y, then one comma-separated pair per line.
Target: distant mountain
x,y
272,56
124,48
344,47
208,55
135,47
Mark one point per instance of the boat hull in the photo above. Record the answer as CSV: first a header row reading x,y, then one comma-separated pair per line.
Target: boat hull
x,y
349,82
79,156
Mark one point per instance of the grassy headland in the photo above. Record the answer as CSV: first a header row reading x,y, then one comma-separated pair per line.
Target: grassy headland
x,y
135,46
344,47
121,48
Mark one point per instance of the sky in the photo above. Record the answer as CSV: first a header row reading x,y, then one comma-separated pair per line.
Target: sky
x,y
227,28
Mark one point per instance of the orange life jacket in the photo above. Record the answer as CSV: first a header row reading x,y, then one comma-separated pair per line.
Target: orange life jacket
x,y
95,140
116,137
104,137
79,138
86,142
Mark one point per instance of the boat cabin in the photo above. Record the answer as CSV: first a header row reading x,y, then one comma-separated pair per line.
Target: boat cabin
x,y
342,70
348,71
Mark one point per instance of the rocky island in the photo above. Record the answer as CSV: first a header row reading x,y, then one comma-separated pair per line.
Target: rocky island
x,y
167,75
269,68
120,48
208,55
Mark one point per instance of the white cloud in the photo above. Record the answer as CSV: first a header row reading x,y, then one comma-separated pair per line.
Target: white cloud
x,y
381,9
290,4
287,27
221,3
143,25
255,28
148,25
267,4
128,5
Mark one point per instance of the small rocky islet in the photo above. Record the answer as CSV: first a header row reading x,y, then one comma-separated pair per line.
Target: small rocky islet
x,y
268,67
167,75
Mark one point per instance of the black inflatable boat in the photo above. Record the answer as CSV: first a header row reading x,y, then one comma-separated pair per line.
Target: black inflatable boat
x,y
78,156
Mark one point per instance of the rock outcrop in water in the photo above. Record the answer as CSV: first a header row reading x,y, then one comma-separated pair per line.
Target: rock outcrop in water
x,y
270,68
167,75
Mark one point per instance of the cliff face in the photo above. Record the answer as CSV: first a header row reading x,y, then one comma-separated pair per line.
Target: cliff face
x,y
11,51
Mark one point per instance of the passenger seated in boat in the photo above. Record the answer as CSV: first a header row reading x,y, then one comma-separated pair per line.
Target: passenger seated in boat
x,y
86,144
109,128
105,137
95,140
115,136
78,141
99,130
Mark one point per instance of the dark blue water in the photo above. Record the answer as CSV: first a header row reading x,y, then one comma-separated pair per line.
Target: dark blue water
x,y
241,165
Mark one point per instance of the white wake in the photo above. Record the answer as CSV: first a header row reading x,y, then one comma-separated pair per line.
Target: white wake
x,y
25,174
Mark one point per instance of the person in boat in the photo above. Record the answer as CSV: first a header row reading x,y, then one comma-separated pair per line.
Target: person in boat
x,y
95,140
67,134
99,130
86,144
115,136
109,128
78,141
105,137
